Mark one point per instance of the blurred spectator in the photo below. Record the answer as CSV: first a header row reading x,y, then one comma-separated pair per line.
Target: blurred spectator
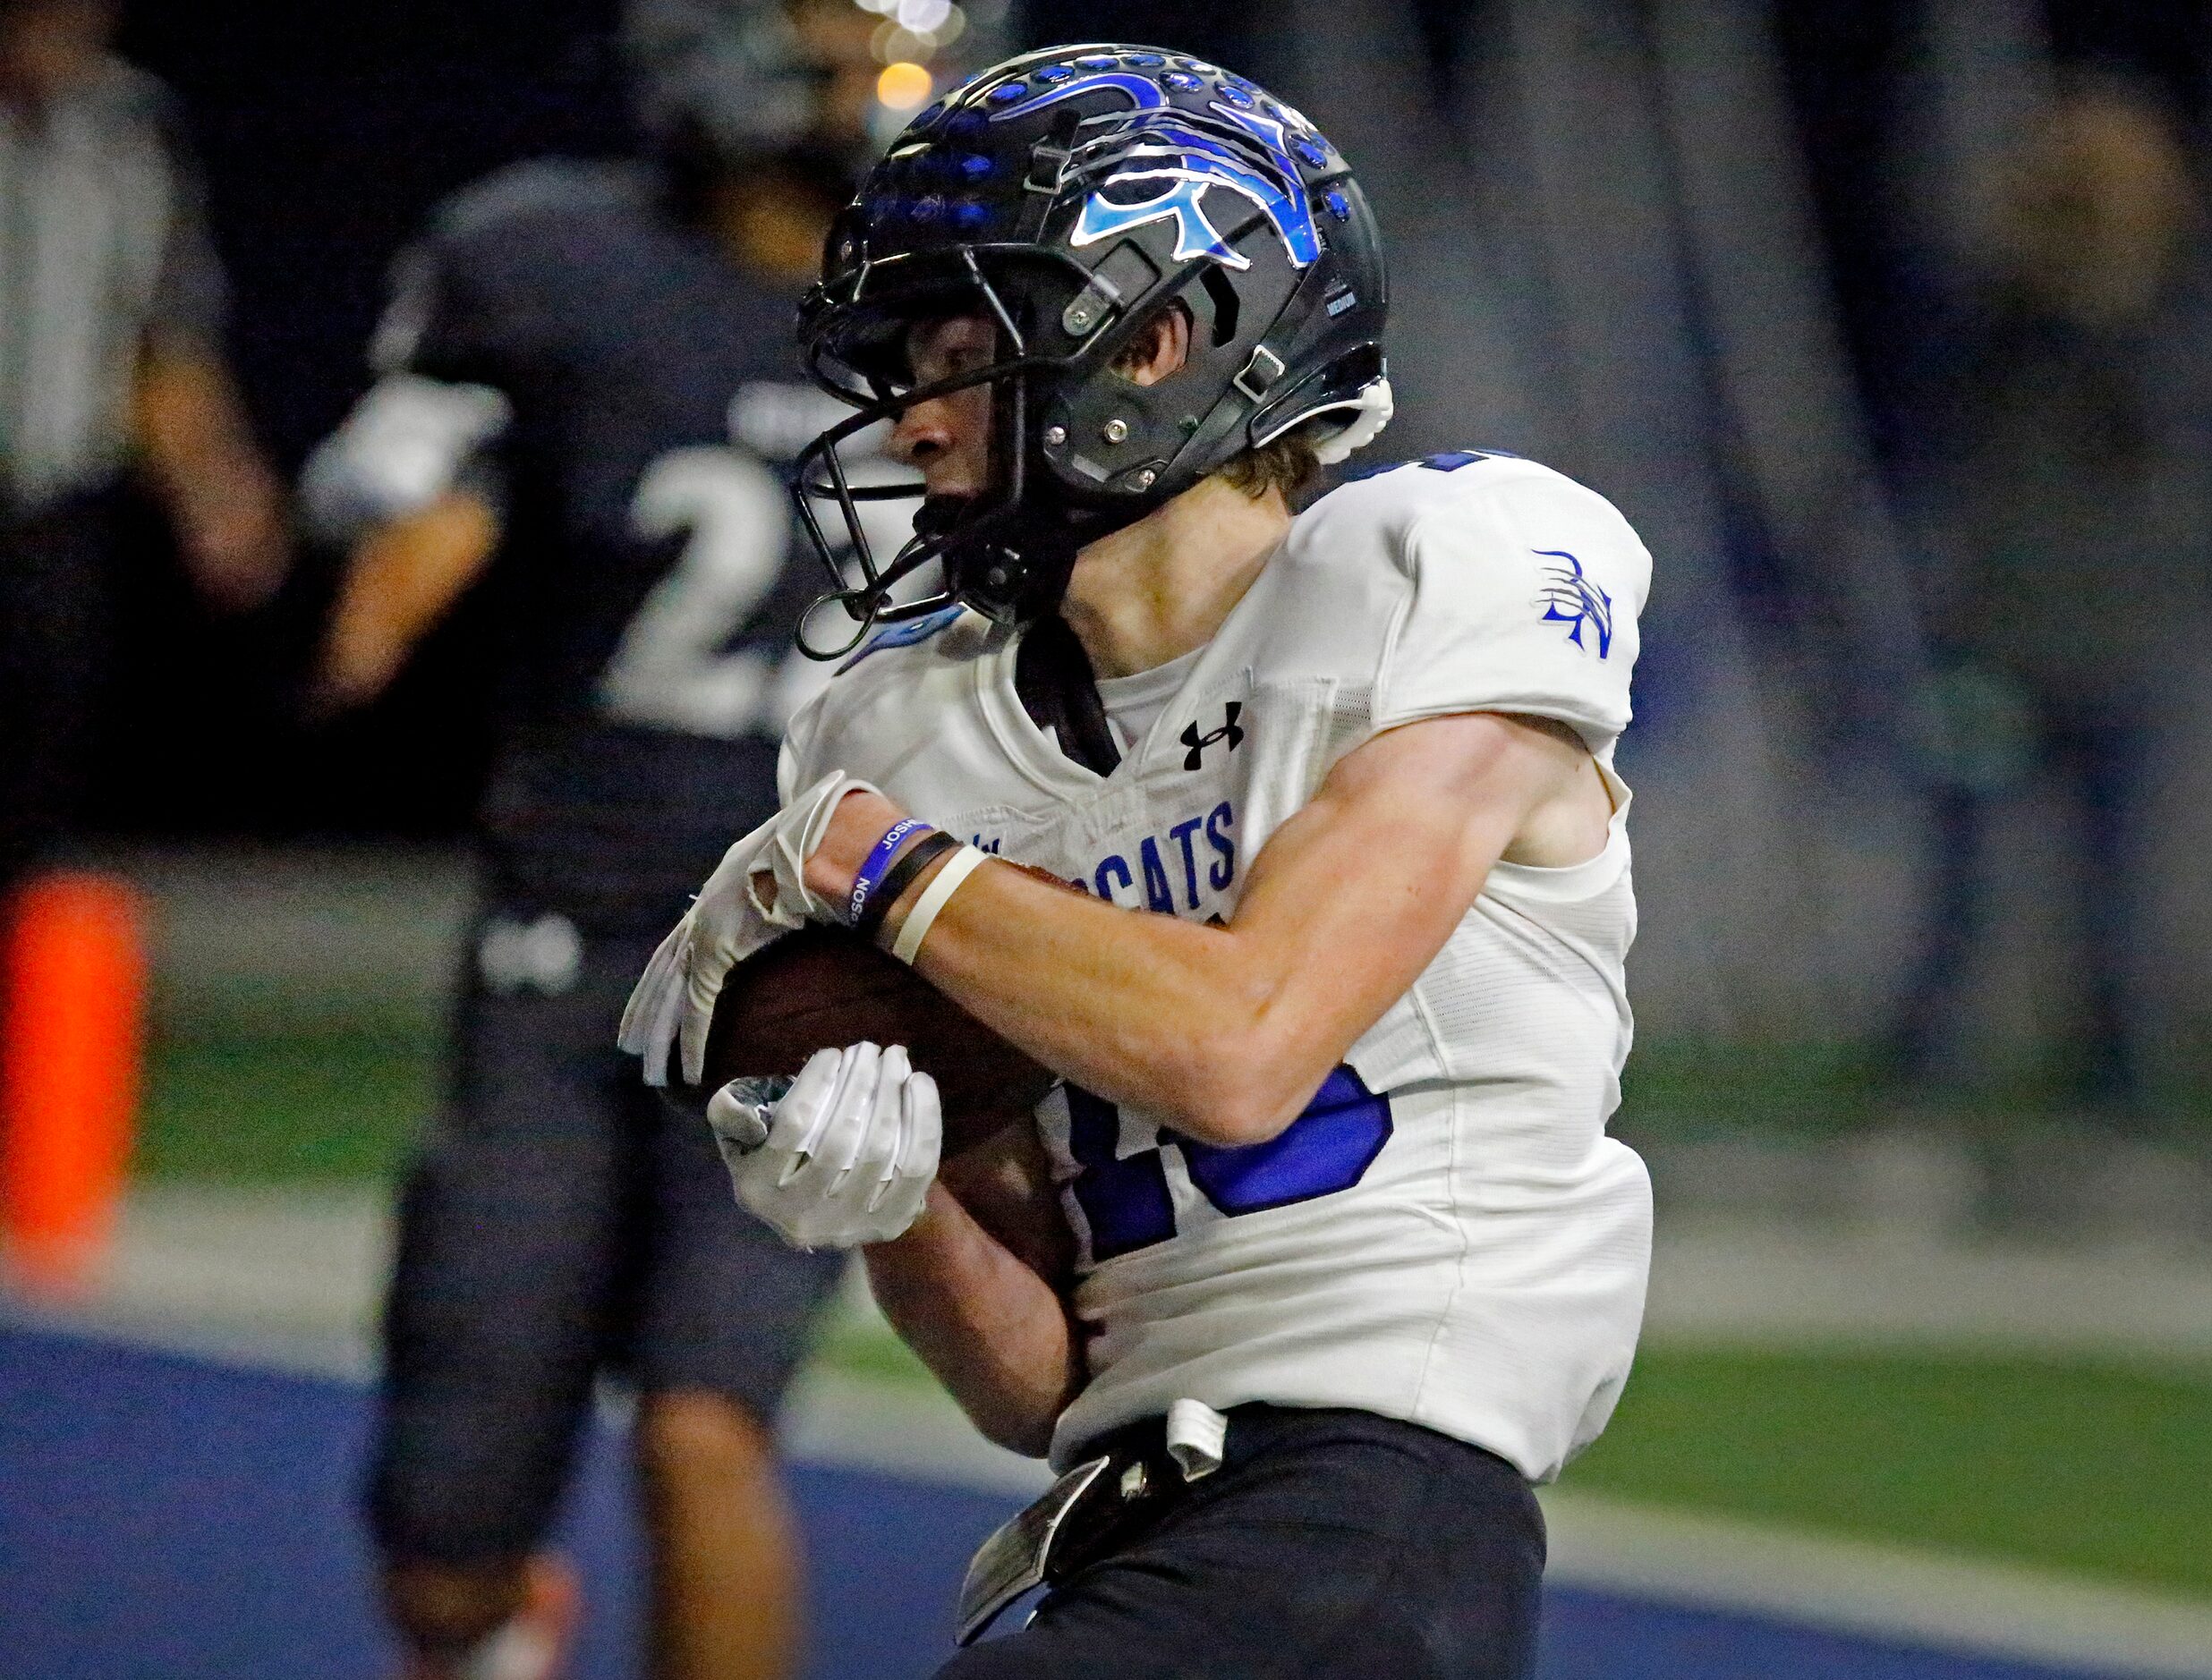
x,y
110,324
2069,489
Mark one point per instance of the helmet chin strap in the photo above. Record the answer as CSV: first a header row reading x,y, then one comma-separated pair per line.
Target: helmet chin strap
x,y
1017,569
1015,565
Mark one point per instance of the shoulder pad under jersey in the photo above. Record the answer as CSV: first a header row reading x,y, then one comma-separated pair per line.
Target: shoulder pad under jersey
x,y
906,635
1451,461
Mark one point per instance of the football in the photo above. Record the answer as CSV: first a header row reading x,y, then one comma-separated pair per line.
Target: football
x,y
823,987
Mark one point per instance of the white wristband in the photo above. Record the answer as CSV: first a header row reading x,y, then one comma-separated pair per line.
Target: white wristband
x,y
942,886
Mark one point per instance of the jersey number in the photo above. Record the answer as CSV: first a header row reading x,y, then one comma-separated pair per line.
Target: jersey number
x,y
1126,1201
670,670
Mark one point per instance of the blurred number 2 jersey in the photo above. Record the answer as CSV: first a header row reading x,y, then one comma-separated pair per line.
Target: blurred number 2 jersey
x,y
646,591
1446,1234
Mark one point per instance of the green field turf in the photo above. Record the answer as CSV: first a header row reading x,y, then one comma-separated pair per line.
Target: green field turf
x,y
341,1102
2096,1470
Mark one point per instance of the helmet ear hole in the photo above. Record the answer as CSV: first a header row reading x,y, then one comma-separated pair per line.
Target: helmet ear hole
x,y
1226,303
1163,347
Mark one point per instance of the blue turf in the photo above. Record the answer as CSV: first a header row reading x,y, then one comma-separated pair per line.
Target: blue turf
x,y
162,1518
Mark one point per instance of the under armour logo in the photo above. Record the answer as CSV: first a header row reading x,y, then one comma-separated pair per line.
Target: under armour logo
x,y
1571,599
1198,743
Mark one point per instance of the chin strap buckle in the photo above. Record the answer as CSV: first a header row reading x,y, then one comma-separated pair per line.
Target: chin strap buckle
x,y
1260,373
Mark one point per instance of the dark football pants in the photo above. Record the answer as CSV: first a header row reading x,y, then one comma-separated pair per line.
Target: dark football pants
x,y
559,1222
1330,1545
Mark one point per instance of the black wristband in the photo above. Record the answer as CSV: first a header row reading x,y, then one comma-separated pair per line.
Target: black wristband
x,y
900,877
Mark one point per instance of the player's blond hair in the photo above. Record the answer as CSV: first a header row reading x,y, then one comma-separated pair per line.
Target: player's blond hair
x,y
1287,463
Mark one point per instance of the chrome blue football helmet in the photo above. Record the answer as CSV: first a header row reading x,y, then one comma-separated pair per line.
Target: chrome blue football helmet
x,y
1069,195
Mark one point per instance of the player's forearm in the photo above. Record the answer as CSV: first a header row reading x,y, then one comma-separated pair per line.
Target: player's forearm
x,y
189,421
1225,1033
198,449
1184,1021
402,579
995,1333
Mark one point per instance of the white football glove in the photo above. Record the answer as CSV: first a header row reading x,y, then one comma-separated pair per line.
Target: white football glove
x,y
673,1001
850,1151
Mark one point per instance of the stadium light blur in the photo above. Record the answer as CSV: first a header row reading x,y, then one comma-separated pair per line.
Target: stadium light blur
x,y
903,86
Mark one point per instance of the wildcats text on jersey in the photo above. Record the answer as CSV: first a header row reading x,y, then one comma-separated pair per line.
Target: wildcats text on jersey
x,y
1184,870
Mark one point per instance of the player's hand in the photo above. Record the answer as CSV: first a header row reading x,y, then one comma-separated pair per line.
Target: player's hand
x,y
850,1152
757,892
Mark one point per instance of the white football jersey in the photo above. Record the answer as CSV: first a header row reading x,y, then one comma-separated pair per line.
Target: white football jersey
x,y
1446,1234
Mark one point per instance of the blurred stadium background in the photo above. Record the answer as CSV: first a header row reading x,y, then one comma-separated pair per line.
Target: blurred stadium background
x,y
1886,321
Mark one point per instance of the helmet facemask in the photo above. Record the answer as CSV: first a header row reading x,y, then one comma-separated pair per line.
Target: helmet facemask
x,y
989,548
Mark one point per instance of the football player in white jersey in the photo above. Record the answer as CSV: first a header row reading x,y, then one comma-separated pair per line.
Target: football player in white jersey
x,y
1319,1256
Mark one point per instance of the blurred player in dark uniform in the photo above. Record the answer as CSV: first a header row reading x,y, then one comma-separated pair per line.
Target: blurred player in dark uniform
x,y
586,388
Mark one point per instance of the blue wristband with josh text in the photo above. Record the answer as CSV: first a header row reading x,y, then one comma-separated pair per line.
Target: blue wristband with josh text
x,y
871,872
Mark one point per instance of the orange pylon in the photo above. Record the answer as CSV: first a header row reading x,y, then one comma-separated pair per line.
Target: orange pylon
x,y
72,1011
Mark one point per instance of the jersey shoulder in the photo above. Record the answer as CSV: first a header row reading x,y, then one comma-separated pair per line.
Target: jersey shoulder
x,y
903,662
1475,581
891,694
1391,499
913,633
1470,511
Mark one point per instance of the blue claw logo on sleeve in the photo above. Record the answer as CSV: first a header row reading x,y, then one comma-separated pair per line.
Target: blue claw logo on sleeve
x,y
1158,144
1572,599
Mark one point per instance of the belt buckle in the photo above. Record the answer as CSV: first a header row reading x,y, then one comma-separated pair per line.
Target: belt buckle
x,y
1015,1556
1083,1514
